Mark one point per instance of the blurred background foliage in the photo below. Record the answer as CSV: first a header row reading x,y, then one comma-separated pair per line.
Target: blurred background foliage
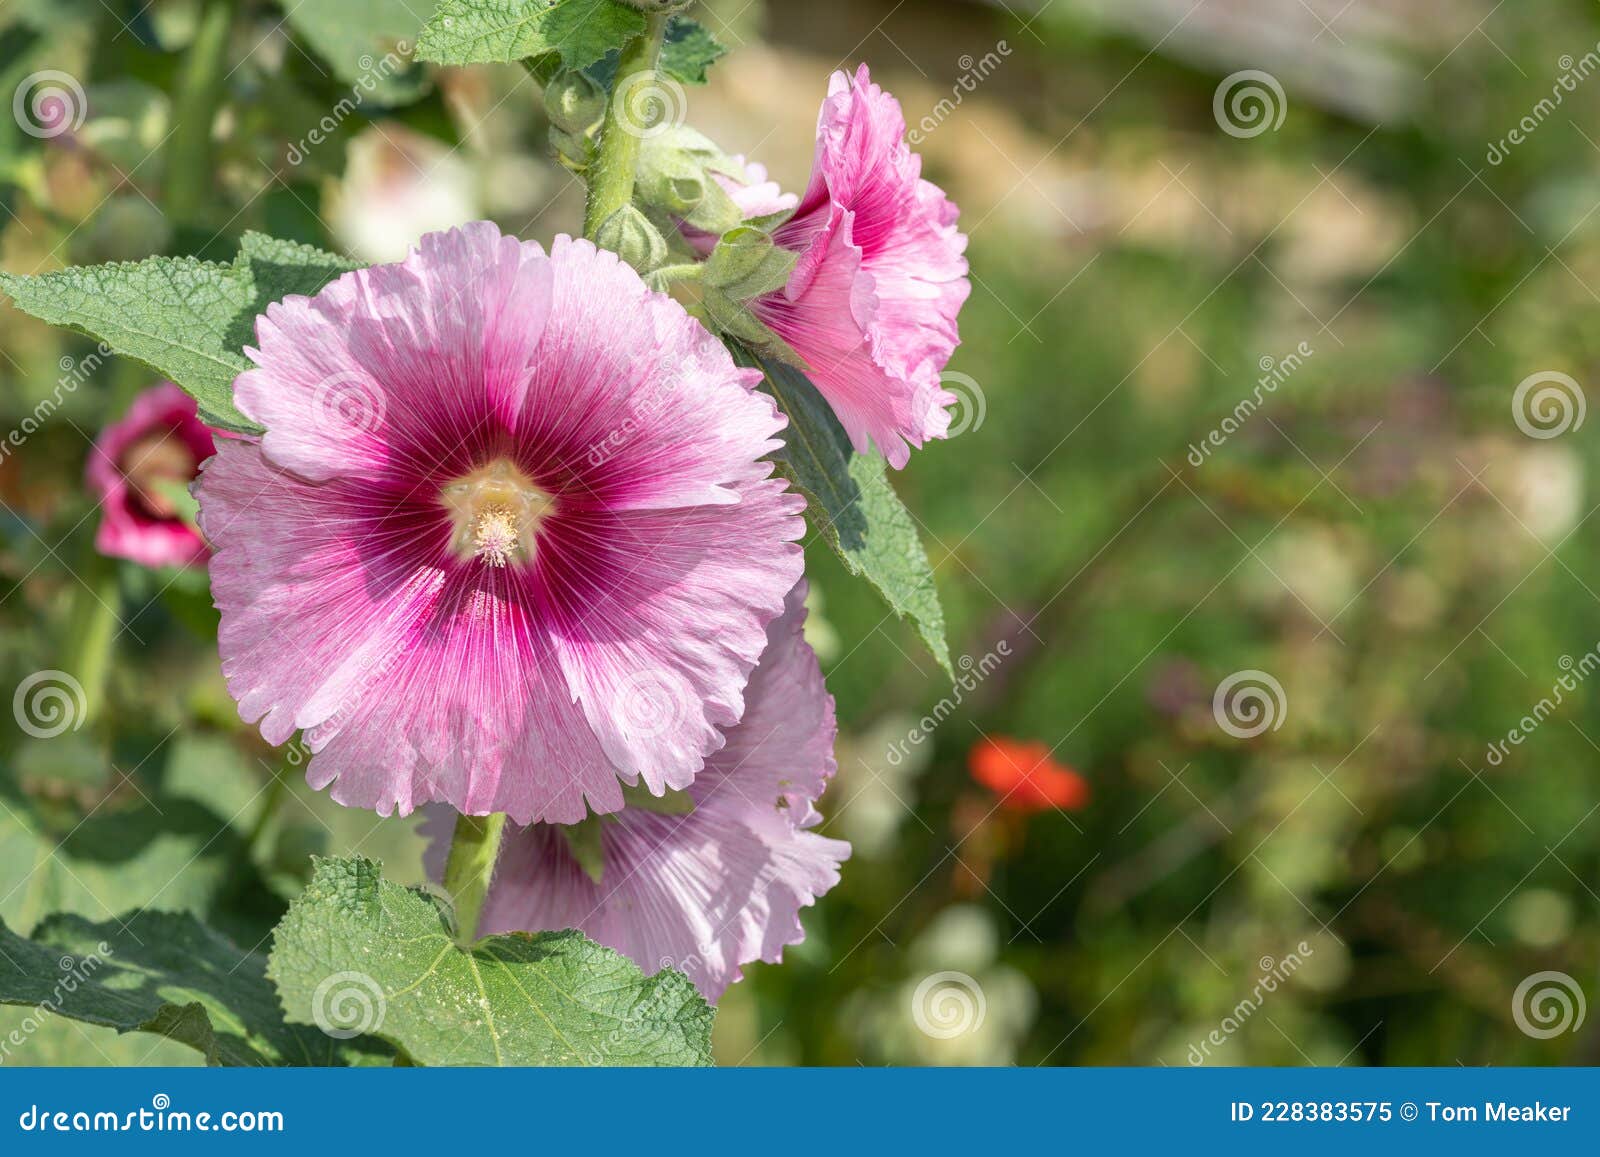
x,y
1380,536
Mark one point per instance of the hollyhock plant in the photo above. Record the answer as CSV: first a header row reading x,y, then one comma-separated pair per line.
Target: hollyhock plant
x,y
871,305
1026,776
712,890
508,540
137,461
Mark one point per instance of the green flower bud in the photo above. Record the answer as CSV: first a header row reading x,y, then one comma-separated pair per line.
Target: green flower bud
x,y
574,151
574,103
746,264
629,234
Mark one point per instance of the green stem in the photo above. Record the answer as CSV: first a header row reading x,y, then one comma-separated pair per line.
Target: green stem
x,y
277,790
473,852
188,160
96,624
617,153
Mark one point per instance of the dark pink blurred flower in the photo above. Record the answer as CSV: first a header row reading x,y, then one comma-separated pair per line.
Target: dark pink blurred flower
x,y
160,441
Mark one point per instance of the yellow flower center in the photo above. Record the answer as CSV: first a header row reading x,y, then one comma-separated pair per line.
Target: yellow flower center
x,y
495,512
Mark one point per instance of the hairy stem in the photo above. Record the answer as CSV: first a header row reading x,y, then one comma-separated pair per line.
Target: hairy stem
x,y
473,852
617,153
188,160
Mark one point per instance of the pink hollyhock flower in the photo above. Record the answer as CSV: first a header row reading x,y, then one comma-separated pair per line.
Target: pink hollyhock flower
x,y
721,886
508,538
159,442
872,303
755,196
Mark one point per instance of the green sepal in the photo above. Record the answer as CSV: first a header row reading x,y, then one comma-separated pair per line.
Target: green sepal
x,y
747,264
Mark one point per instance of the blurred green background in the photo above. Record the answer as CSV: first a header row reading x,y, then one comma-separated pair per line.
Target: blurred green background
x,y
1381,537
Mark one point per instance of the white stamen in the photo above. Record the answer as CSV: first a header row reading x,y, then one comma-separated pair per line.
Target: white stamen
x,y
495,536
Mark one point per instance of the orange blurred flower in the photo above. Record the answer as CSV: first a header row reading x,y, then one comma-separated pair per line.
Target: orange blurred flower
x,y
1025,776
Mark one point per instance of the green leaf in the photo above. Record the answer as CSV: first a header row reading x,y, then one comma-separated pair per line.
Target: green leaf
x,y
484,32
585,840
580,32
187,319
672,802
176,852
584,31
556,998
689,51
366,42
168,974
852,503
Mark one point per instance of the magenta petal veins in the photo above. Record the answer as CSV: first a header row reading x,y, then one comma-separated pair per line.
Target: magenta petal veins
x,y
508,541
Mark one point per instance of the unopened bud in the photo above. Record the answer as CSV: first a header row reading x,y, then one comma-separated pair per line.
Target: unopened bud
x,y
629,234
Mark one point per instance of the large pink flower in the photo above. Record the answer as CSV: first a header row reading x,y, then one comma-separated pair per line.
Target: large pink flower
x,y
508,538
158,443
715,889
872,303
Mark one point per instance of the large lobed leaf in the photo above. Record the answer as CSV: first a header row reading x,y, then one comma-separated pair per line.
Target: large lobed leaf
x,y
852,503
556,998
582,34
187,319
164,973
